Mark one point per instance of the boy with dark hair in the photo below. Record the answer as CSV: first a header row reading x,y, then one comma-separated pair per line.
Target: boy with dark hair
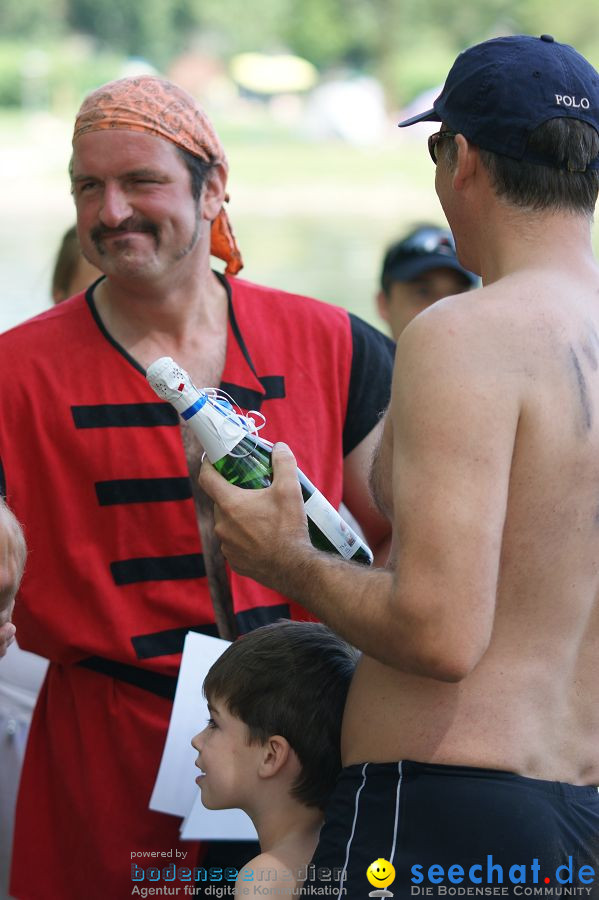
x,y
272,744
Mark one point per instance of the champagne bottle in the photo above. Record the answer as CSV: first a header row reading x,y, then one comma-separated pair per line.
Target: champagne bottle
x,y
244,459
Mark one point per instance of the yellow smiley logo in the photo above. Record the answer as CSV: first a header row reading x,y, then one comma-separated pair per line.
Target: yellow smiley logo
x,y
380,873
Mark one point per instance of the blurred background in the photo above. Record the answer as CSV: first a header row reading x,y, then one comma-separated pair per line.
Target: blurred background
x,y
305,94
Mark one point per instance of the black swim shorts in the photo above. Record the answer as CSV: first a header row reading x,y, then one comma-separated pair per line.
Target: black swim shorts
x,y
455,831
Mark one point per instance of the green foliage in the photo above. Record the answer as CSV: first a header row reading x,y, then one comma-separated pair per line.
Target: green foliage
x,y
463,23
238,25
43,75
408,44
11,74
146,29
420,66
331,32
578,27
71,78
31,18
326,32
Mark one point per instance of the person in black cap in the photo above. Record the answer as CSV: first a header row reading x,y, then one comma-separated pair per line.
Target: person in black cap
x,y
418,270
471,732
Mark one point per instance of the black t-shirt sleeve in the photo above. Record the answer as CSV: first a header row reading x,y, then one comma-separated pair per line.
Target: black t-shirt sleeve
x,y
370,381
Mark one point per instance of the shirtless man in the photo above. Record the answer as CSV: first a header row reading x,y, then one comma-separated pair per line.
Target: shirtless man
x,y
471,732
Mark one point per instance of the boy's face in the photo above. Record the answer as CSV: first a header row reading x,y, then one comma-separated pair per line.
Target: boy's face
x,y
228,762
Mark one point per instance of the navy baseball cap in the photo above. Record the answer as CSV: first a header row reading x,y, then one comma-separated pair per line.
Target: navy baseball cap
x,y
427,247
498,92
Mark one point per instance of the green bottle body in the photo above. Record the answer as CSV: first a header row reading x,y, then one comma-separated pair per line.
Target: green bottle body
x,y
249,466
244,459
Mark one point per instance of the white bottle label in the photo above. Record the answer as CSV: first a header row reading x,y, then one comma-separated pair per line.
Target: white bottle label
x,y
324,514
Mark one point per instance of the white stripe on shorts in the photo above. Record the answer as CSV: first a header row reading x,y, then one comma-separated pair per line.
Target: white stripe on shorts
x,y
397,795
353,828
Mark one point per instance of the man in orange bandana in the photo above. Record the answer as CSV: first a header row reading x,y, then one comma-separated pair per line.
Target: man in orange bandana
x,y
123,560
153,106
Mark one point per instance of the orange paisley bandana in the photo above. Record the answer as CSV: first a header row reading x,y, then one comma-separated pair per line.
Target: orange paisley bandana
x,y
158,107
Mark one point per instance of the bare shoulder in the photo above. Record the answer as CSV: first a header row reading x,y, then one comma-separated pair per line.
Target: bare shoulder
x,y
459,342
266,871
476,321
504,334
461,360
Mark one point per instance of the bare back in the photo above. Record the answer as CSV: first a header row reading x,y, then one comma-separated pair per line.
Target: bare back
x,y
531,705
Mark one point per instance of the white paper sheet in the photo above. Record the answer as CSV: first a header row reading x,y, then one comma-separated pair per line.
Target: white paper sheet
x,y
175,790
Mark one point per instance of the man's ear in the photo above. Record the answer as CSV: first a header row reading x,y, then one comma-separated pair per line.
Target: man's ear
x,y
382,305
213,192
467,162
276,753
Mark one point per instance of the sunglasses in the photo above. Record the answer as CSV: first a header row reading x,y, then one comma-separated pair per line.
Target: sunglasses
x,y
434,140
424,242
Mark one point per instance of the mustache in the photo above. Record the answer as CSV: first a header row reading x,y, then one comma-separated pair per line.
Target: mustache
x,y
99,232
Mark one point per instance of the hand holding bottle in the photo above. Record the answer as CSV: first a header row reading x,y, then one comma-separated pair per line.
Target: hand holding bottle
x,y
260,530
